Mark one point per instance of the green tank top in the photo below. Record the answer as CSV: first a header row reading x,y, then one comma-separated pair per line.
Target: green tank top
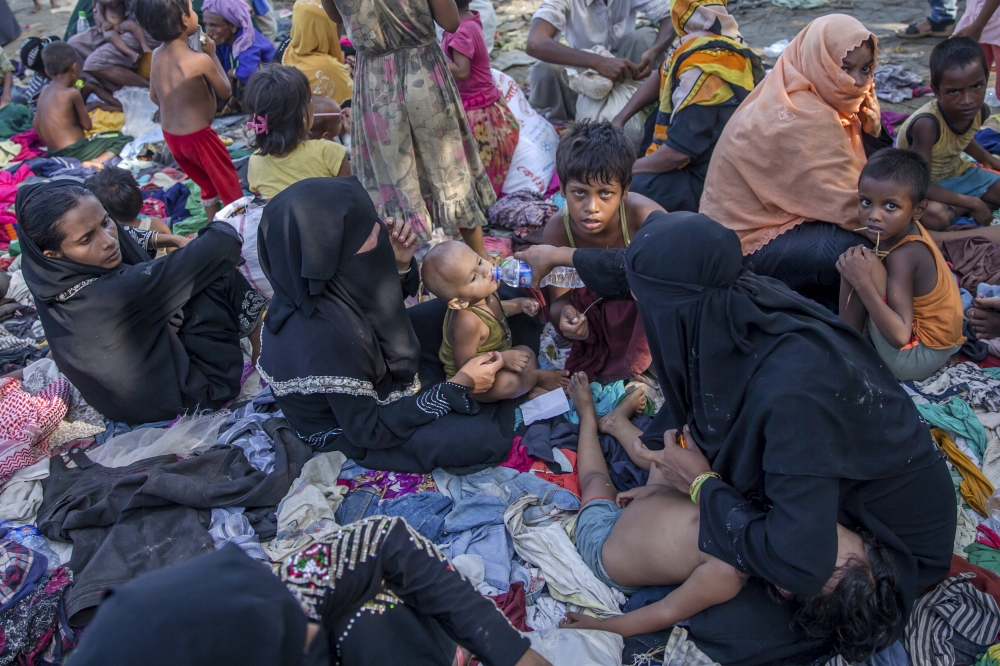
x,y
621,217
946,154
499,339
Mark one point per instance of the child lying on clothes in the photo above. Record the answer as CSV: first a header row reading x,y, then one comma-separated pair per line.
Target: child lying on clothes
x,y
945,127
61,116
476,323
856,611
910,306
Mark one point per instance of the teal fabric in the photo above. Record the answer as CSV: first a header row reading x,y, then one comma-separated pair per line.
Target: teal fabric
x,y
14,118
606,398
956,416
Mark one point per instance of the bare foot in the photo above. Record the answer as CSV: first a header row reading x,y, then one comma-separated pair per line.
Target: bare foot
x,y
37,8
550,380
583,398
634,402
985,317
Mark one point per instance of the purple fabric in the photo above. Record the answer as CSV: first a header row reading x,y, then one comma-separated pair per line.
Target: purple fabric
x,y
237,13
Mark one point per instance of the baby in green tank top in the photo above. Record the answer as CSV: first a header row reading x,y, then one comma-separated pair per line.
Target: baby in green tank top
x,y
476,323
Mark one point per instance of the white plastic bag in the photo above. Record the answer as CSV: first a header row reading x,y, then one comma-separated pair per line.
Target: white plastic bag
x,y
244,215
138,108
593,103
191,434
534,159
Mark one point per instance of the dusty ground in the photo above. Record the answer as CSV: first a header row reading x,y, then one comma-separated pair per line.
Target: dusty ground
x,y
761,22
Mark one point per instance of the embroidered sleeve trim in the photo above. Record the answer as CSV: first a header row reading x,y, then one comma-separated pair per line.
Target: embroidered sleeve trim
x,y
433,402
72,291
332,384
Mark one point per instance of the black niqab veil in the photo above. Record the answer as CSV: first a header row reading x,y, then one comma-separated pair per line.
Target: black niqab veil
x,y
767,380
337,322
108,327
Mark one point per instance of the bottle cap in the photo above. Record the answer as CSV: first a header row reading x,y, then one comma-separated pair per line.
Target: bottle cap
x,y
496,273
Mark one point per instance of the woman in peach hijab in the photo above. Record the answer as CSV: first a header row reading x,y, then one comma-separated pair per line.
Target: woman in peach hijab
x,y
784,175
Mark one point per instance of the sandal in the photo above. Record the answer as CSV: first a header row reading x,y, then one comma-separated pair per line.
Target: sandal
x,y
938,29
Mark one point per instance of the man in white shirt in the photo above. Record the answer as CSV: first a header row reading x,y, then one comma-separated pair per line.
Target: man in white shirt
x,y
586,24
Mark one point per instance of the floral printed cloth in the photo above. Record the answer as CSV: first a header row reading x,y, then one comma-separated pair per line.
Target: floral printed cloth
x,y
391,485
411,145
30,631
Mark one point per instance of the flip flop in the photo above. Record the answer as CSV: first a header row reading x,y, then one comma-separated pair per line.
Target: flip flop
x,y
942,29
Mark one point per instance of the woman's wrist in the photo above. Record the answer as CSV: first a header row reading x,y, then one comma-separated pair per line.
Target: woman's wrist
x,y
462,379
404,268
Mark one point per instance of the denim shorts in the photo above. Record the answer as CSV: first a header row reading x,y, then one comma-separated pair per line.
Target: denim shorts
x,y
593,525
973,183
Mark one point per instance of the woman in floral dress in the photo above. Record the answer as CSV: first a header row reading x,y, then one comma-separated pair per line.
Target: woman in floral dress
x,y
410,141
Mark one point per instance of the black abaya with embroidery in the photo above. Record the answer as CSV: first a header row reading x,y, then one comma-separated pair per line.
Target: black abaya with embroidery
x,y
338,350
148,339
379,591
797,413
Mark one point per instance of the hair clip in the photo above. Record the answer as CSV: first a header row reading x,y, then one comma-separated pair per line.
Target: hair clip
x,y
258,124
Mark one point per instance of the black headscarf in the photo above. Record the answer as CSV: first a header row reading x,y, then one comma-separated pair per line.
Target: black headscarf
x,y
108,327
766,379
337,317
220,608
49,277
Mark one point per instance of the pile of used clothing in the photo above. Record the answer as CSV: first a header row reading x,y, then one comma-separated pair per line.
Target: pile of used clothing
x,y
241,476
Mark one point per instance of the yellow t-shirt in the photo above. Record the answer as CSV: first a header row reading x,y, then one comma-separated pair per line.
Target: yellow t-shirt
x,y
318,158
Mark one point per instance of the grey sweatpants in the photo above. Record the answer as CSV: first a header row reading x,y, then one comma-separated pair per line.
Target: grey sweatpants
x,y
554,99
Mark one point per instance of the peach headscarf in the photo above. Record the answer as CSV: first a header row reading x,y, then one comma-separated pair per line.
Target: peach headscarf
x,y
793,151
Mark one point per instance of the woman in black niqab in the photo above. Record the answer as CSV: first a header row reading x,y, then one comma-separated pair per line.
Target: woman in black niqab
x,y
338,350
148,339
797,414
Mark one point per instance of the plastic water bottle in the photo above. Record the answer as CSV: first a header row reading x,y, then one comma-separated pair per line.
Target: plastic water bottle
x,y
518,274
513,272
29,537
991,98
563,277
81,23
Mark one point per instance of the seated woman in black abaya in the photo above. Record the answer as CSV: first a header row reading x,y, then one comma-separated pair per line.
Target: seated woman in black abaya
x,y
143,340
338,350
797,416
377,592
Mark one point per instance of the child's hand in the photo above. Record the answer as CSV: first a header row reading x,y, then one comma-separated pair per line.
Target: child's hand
x,y
871,118
629,496
404,242
529,306
208,46
515,360
579,621
980,212
857,265
572,324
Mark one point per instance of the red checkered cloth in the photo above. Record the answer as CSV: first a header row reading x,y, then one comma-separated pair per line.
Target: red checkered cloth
x,y
26,421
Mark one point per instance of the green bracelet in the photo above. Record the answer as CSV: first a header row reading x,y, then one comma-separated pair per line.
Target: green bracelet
x,y
698,482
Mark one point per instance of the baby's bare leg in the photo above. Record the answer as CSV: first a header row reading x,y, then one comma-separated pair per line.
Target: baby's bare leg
x,y
119,43
507,385
135,30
